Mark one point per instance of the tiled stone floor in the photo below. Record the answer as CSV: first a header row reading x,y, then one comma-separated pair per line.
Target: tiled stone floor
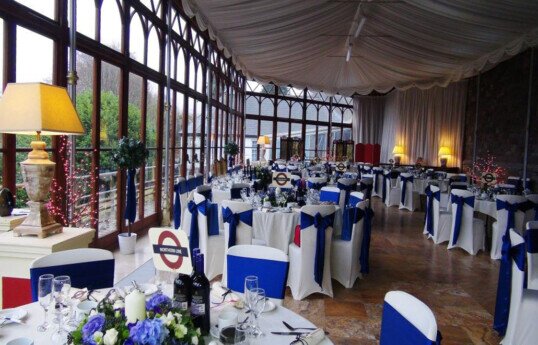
x,y
459,288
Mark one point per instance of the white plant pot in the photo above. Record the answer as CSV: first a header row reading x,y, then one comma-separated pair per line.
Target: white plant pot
x,y
127,244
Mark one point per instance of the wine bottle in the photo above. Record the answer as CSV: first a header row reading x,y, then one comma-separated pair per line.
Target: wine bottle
x,y
200,297
182,292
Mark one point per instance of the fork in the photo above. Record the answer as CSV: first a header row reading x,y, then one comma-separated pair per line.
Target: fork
x,y
288,326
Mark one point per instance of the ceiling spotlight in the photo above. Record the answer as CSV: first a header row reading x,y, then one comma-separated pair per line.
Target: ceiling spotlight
x,y
359,28
348,54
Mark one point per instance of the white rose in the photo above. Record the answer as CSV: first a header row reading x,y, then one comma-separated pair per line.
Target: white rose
x,y
97,337
167,319
194,340
93,312
111,337
118,304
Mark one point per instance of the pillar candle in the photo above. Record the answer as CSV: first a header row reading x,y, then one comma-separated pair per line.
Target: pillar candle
x,y
135,306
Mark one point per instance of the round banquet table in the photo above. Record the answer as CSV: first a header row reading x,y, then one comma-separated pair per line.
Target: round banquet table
x,y
486,207
269,322
275,228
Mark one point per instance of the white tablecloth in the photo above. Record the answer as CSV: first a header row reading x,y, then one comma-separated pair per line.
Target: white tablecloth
x,y
420,184
270,321
275,228
486,207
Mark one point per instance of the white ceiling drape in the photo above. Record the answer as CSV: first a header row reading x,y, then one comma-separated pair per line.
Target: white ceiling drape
x,y
402,44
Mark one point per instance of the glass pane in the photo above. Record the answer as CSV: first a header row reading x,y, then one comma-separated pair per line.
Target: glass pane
x,y
322,138
282,131
283,109
347,134
86,18
154,50
45,7
310,142
251,138
107,195
81,189
267,107
151,116
109,107
323,114
136,39
337,115
296,110
149,184
135,104
267,129
180,68
311,112
252,106
30,45
111,24
348,114
85,99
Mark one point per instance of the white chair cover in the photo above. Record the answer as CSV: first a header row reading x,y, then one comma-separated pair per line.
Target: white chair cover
x,y
407,321
270,265
532,213
531,239
411,198
345,265
393,195
211,246
499,227
343,184
301,275
317,181
471,236
441,220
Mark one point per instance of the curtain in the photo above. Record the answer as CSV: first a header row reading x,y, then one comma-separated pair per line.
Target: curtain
x,y
424,120
368,119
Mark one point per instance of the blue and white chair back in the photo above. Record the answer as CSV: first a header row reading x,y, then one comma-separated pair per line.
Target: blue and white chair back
x,y
346,185
510,215
346,252
531,243
330,194
378,182
270,265
205,190
355,198
407,192
88,268
191,183
531,213
292,167
366,185
316,182
295,180
436,224
457,177
281,167
209,239
310,264
199,179
407,321
392,195
181,198
466,232
235,191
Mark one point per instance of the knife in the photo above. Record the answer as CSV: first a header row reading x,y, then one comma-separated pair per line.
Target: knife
x,y
290,333
11,320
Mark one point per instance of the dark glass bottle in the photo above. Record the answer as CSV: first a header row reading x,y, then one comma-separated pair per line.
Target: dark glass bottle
x,y
200,297
182,292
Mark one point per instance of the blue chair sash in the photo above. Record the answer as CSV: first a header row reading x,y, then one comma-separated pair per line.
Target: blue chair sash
x,y
429,207
179,188
531,241
91,275
404,181
351,216
366,187
191,184
321,224
397,330
330,196
208,194
272,274
504,286
294,182
233,220
376,174
459,201
130,207
512,209
353,200
364,258
347,190
209,210
316,185
385,178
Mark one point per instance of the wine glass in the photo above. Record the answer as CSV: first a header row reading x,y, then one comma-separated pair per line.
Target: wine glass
x,y
241,334
44,292
257,302
251,284
61,286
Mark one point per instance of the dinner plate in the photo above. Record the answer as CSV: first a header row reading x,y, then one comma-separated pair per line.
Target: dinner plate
x,y
15,313
269,306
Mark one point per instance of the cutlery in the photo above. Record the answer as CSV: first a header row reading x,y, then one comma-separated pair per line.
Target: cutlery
x,y
289,333
297,328
5,319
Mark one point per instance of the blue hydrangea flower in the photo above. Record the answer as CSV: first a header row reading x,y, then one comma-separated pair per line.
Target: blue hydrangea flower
x,y
149,332
95,323
157,302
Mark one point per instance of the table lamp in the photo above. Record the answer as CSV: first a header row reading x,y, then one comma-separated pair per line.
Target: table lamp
x,y
38,109
398,151
444,153
263,140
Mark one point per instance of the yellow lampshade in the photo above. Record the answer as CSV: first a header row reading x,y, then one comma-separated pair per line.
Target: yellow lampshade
x,y
444,151
263,140
27,108
398,150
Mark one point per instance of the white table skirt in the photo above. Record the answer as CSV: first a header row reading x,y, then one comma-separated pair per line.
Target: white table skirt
x,y
275,228
270,321
420,184
486,207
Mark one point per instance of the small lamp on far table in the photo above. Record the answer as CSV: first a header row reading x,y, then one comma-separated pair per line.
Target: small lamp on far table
x,y
262,141
38,109
444,153
398,151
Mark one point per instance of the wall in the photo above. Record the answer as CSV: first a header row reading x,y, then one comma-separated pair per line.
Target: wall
x,y
502,115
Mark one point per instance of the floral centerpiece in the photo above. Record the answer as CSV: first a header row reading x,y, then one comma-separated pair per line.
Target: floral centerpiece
x,y
264,177
107,325
231,149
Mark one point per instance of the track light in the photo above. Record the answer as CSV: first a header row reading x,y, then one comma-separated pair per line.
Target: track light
x,y
359,28
348,54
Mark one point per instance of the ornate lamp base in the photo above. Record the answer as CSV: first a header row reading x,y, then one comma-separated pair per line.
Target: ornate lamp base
x,y
39,222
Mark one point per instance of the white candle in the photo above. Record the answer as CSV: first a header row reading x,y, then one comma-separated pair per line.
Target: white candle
x,y
135,306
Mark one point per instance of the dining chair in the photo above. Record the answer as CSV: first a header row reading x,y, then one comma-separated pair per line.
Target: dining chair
x,y
532,208
378,182
346,250
316,182
437,223
90,268
346,186
466,231
330,194
407,321
409,198
310,263
531,243
270,265
181,197
392,194
235,191
205,190
510,214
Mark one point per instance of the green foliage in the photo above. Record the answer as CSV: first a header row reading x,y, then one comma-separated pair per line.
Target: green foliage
x,y
21,198
130,153
231,148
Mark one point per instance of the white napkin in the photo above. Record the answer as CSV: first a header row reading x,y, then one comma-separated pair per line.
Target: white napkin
x,y
217,291
313,338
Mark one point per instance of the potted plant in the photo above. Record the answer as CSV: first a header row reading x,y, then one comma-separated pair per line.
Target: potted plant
x,y
231,149
130,155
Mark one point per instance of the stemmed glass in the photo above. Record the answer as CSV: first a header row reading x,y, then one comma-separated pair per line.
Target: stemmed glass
x,y
257,303
241,334
61,286
44,291
251,284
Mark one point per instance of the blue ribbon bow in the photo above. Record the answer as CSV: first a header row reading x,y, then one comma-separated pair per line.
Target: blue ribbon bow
x,y
179,188
404,181
316,185
351,215
365,246
429,207
385,178
330,196
347,190
321,224
376,173
504,287
207,209
366,187
233,219
459,201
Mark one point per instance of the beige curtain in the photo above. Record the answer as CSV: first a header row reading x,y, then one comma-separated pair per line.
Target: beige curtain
x,y
368,119
424,120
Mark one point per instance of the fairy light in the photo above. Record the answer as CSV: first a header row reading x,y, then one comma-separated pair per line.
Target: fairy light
x,y
487,165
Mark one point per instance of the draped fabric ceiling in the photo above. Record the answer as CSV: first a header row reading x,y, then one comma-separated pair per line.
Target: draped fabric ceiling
x,y
402,43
